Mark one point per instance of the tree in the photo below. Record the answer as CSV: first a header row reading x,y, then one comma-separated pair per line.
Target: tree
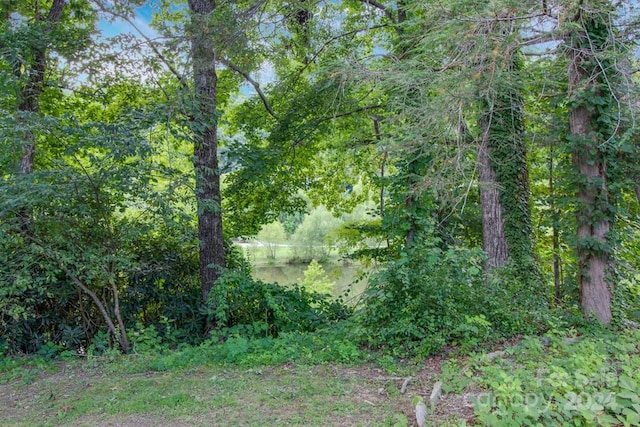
x,y
502,155
271,235
35,66
49,243
215,33
311,238
204,125
316,280
590,42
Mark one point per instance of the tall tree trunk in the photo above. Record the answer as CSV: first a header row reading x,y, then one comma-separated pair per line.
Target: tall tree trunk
x,y
502,162
588,158
494,240
29,96
204,128
30,93
411,202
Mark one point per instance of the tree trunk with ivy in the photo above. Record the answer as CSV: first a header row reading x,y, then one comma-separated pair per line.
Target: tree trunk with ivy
x,y
494,241
589,117
29,95
502,162
204,128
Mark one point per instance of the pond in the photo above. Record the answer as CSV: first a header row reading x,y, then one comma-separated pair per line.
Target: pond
x,y
346,277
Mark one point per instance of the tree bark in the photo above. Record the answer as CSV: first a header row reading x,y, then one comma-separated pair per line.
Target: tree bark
x,y
593,223
555,239
204,128
494,240
502,161
30,93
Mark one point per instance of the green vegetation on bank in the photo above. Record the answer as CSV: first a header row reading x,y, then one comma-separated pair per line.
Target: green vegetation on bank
x,y
577,377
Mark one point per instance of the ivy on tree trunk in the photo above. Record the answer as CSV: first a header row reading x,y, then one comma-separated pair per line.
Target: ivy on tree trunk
x,y
204,128
590,96
502,160
30,94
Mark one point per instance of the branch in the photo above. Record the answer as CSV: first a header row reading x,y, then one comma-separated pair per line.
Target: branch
x,y
381,7
335,116
150,42
254,83
349,113
505,18
80,284
338,37
94,297
546,37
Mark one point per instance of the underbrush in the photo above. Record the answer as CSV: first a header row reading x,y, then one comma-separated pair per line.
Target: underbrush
x,y
329,345
568,378
323,346
584,376
430,297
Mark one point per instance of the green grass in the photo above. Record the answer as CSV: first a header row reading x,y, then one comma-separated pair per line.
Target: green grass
x,y
283,395
576,378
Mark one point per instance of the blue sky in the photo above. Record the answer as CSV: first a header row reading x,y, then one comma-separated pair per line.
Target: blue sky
x,y
142,21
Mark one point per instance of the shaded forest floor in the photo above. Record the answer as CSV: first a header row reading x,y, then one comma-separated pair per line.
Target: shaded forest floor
x,y
571,377
322,395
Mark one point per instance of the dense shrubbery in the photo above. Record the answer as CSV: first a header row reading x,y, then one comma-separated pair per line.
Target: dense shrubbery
x,y
568,377
429,297
160,302
239,305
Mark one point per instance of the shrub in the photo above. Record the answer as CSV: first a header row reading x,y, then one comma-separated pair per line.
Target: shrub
x,y
316,280
429,297
240,305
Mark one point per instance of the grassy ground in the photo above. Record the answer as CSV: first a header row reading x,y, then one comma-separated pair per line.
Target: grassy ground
x,y
568,378
324,395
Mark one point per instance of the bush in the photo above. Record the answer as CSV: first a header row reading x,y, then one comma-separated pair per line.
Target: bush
x,y
563,380
312,236
316,280
430,297
240,305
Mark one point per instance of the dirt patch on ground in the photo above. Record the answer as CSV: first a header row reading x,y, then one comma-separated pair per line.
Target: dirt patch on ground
x,y
142,420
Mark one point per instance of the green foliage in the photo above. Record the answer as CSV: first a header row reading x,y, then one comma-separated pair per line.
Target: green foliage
x,y
271,235
101,219
430,296
163,291
413,305
316,280
239,305
455,378
146,340
364,240
293,346
502,111
563,380
331,344
312,237
105,212
473,332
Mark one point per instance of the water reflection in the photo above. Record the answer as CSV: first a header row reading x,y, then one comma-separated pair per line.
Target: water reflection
x,y
346,278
